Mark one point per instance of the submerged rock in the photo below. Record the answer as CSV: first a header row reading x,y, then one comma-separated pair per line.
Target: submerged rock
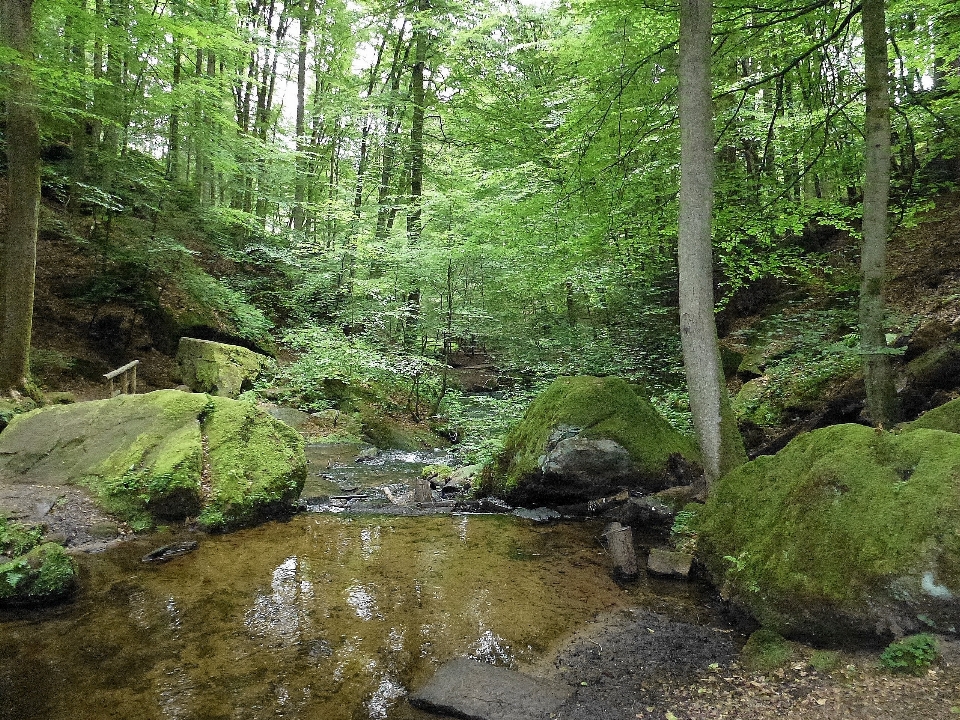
x,y
217,368
164,455
669,563
470,689
847,531
169,552
584,438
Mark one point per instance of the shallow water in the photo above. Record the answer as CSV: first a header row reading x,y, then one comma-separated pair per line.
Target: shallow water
x,y
334,469
324,617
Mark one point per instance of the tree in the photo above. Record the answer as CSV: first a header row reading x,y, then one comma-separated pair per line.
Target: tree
x,y
721,446
19,257
877,370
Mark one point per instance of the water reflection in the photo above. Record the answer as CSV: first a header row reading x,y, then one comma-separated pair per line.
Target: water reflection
x,y
363,602
322,617
279,615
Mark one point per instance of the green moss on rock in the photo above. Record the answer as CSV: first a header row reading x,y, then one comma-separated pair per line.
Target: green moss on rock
x,y
600,408
946,418
217,368
765,651
846,530
167,455
256,464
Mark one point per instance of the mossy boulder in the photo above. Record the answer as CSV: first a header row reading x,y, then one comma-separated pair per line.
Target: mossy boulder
x,y
217,368
167,455
848,531
585,437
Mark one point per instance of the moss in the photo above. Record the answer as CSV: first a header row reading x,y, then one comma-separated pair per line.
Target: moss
x,y
217,368
45,574
825,660
765,650
833,520
946,418
256,464
163,456
603,408
18,539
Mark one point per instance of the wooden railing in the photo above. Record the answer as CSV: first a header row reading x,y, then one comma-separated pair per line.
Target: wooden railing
x,y
128,379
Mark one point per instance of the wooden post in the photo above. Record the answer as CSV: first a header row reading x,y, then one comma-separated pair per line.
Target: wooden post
x,y
421,491
128,378
619,543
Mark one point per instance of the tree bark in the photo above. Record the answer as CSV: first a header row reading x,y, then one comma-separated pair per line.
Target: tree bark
x,y
19,255
720,443
877,371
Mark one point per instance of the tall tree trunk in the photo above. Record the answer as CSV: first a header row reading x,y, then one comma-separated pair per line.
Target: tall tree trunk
x,y
173,142
300,189
385,204
418,94
19,255
877,371
721,446
418,98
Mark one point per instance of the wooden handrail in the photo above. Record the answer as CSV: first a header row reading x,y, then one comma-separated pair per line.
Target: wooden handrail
x,y
128,380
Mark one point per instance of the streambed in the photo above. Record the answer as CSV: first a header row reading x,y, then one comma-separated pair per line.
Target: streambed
x,y
324,616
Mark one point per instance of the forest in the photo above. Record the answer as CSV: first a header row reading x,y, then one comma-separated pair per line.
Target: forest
x,y
426,216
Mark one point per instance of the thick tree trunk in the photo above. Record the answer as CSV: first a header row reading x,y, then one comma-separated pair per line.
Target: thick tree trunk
x,y
19,256
720,443
877,372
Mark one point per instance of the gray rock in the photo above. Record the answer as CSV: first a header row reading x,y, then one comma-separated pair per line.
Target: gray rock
x,y
468,689
367,454
537,514
669,563
582,461
642,512
291,416
464,477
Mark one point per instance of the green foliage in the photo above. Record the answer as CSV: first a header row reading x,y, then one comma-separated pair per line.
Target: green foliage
x,y
683,534
913,654
765,650
44,574
799,353
18,539
481,422
333,369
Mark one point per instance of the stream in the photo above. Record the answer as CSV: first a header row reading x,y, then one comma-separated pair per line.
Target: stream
x,y
330,615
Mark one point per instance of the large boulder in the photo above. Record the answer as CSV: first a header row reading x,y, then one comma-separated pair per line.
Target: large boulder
x,y
217,368
848,531
164,455
585,437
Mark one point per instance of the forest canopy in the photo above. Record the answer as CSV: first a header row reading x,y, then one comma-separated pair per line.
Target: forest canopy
x,y
440,175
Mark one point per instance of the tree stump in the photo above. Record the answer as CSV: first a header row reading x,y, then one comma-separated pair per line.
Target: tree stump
x,y
618,540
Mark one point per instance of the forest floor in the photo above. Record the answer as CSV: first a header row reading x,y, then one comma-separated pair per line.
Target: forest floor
x,y
640,665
